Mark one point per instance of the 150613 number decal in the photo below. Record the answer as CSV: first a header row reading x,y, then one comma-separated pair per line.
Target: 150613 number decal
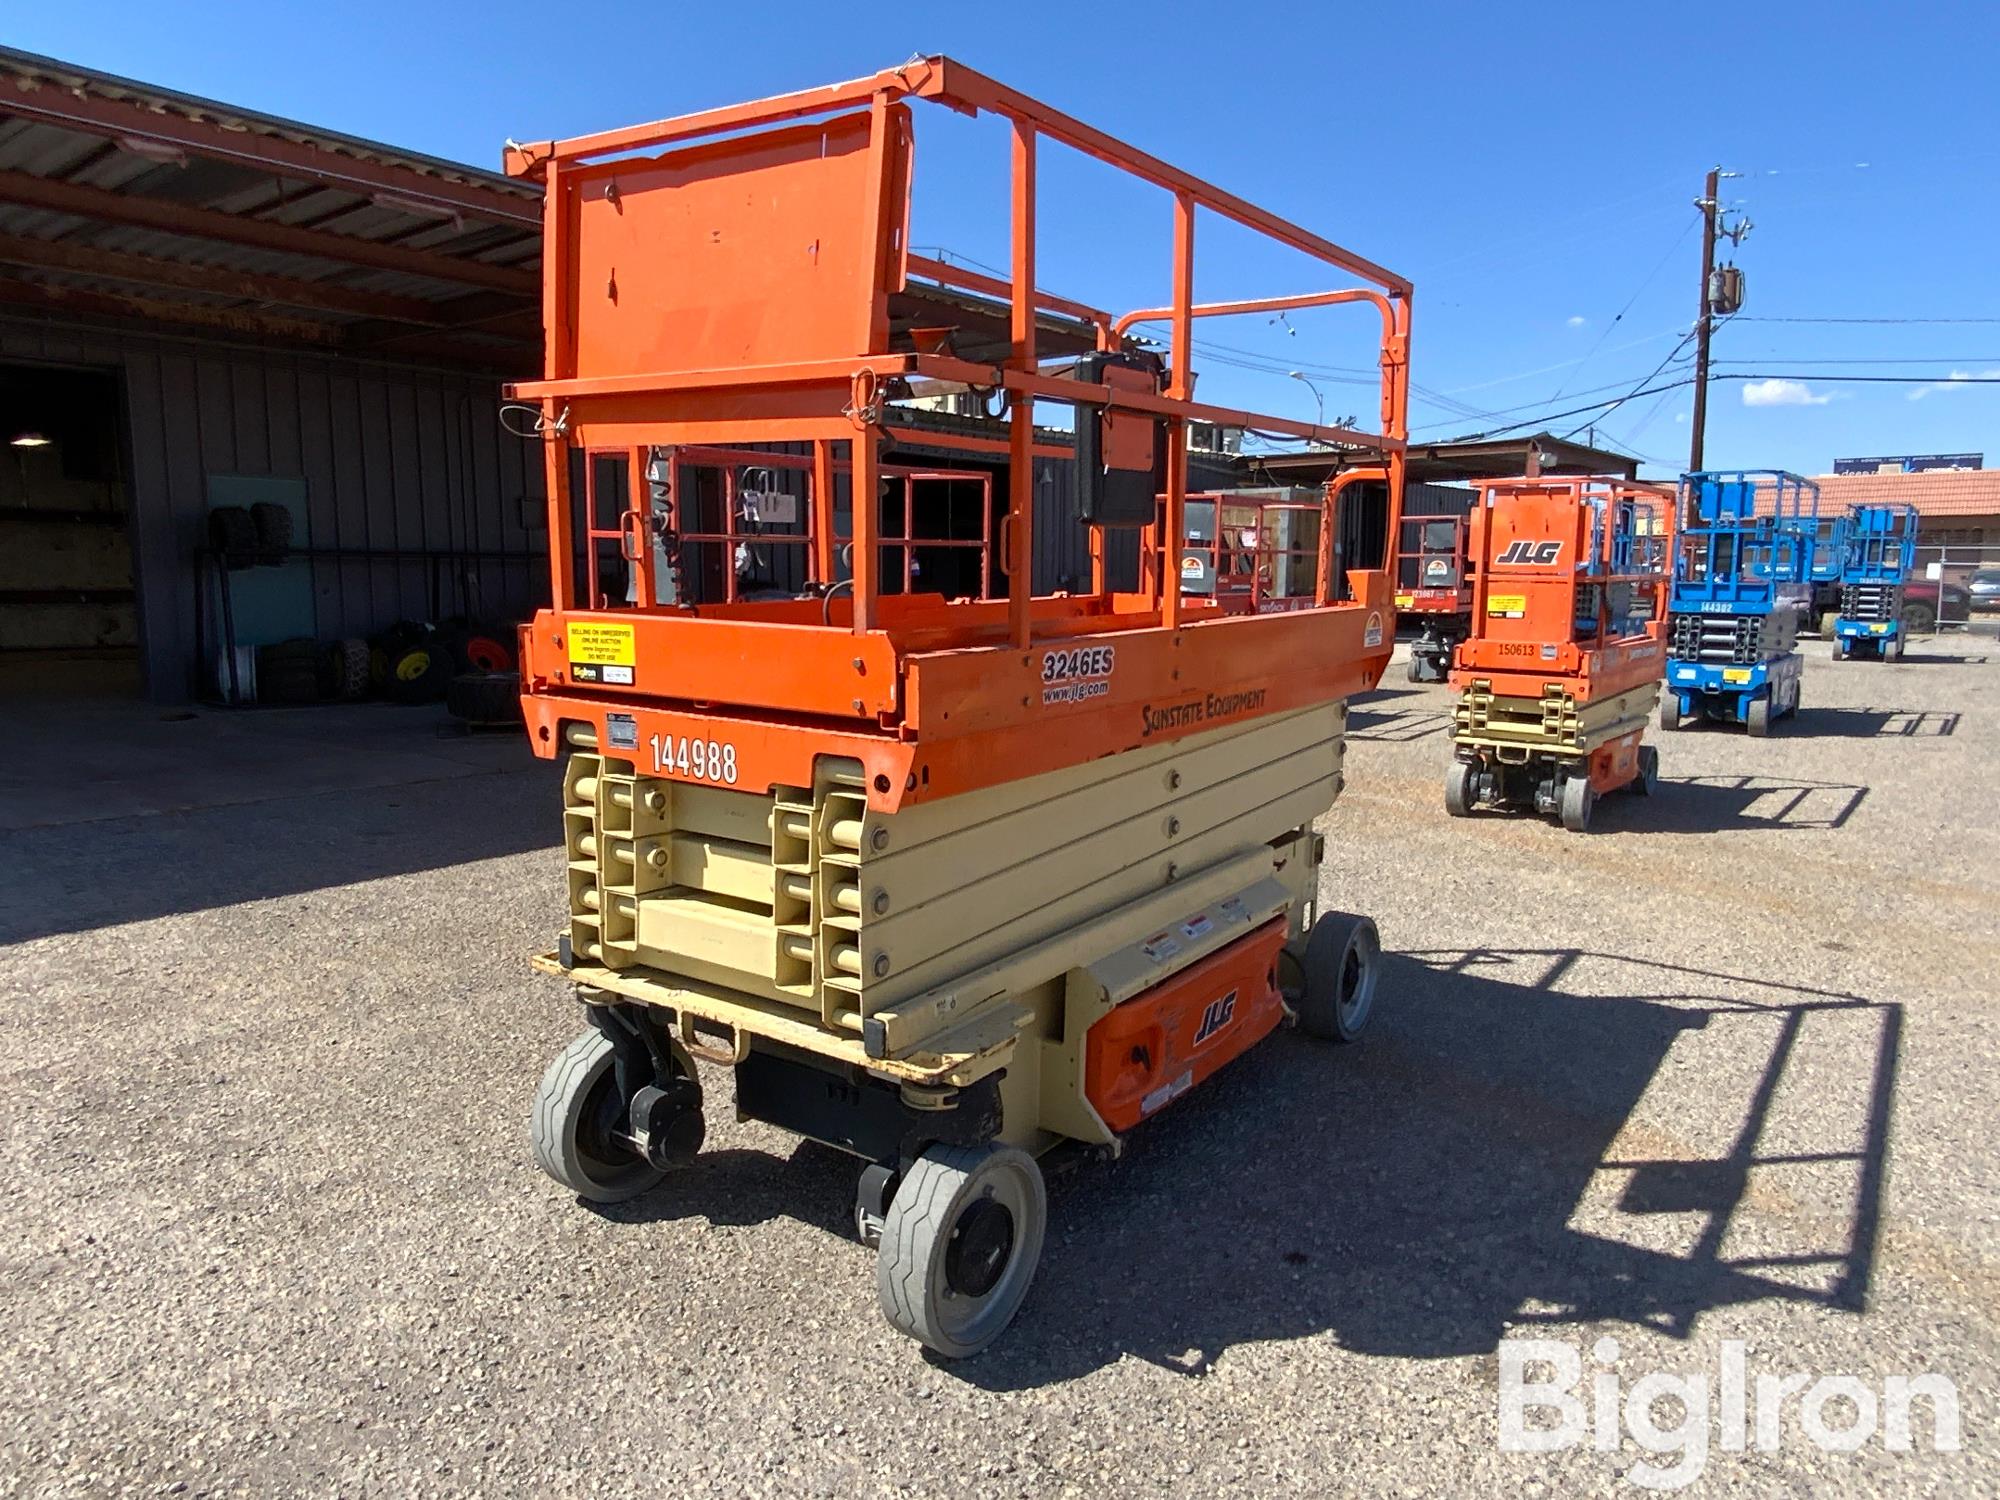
x,y
702,760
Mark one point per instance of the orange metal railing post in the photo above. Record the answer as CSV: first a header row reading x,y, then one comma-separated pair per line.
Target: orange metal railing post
x,y
820,526
1181,388
866,504
1020,529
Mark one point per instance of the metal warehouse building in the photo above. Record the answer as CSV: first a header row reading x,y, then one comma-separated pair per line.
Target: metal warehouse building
x,y
203,307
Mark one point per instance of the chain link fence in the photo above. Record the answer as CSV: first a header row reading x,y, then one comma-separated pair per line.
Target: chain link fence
x,y
1953,587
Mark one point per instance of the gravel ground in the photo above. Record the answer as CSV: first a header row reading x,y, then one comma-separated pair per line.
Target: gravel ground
x,y
1722,1069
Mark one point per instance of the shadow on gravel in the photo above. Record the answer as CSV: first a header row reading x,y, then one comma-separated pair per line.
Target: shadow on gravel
x,y
1711,804
1870,723
1413,1196
815,1185
1397,725
81,876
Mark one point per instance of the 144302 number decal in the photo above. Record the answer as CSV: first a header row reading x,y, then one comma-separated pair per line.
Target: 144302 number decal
x,y
702,760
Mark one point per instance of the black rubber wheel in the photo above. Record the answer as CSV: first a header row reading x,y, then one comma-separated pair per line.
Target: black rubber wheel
x,y
233,533
573,1123
1649,771
352,668
418,673
273,525
1757,718
1415,674
1919,619
485,697
1670,711
1826,622
288,672
1458,799
1577,801
1343,964
960,1244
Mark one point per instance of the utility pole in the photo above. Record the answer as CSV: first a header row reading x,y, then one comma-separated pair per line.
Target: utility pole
x,y
1709,210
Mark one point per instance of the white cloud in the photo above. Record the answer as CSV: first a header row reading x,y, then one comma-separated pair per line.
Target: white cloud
x,y
1680,416
1956,382
1781,393
1577,320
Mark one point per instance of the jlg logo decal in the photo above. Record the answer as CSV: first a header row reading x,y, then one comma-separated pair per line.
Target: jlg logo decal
x,y
1218,1015
1540,554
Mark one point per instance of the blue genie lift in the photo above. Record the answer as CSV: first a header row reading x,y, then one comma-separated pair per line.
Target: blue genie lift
x,y
1880,549
1739,581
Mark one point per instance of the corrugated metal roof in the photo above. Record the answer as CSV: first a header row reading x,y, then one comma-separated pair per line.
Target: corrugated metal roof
x,y
64,75
338,233
1943,492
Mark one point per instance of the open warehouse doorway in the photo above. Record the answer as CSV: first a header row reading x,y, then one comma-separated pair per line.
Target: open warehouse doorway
x,y
68,600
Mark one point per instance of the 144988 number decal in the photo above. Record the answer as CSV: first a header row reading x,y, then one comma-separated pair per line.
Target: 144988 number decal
x,y
702,760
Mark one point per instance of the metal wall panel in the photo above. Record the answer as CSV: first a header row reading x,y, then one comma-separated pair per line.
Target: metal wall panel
x,y
395,458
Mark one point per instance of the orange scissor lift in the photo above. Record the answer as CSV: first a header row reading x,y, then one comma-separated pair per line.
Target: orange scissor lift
x,y
1434,589
946,882
1563,666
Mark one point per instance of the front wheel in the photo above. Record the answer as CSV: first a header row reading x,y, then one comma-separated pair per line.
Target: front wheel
x,y
1458,797
1670,711
1757,718
575,1124
960,1244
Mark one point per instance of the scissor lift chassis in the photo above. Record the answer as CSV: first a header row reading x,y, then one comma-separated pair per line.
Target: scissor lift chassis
x,y
1512,750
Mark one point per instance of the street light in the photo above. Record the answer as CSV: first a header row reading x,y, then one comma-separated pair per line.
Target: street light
x,y
1319,401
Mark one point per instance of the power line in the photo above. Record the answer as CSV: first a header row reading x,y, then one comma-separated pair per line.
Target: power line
x,y
1646,380
1659,266
1674,385
1871,320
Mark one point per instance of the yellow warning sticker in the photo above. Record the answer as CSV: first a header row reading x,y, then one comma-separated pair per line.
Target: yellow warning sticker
x,y
600,645
1404,601
1513,606
1735,674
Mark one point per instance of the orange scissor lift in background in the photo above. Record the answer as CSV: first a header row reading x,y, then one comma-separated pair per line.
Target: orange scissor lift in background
x,y
1562,669
945,881
1434,589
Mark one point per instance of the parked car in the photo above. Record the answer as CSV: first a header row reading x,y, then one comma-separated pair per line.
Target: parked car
x,y
1984,587
1924,598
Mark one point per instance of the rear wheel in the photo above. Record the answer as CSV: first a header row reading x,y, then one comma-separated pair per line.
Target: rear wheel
x,y
1649,771
1458,798
1578,799
1670,711
1342,963
1757,718
1919,619
960,1244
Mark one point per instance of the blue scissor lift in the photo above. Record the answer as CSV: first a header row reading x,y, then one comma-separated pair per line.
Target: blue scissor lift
x,y
1880,550
1739,580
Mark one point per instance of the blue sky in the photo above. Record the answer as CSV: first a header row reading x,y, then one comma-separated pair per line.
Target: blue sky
x,y
1532,169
